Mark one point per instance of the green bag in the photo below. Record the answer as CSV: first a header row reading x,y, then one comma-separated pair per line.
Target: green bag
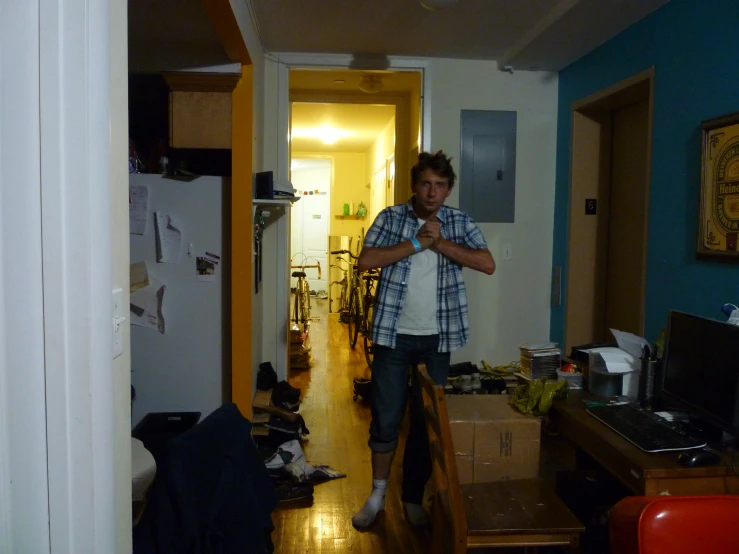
x,y
536,397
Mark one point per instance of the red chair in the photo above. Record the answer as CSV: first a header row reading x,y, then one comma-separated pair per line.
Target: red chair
x,y
675,525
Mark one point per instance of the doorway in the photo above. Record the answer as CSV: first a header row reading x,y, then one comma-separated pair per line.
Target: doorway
x,y
608,219
311,177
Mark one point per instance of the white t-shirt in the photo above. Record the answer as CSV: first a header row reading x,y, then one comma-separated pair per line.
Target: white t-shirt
x,y
418,316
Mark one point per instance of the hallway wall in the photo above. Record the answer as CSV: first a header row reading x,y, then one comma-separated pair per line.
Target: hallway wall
x,y
513,305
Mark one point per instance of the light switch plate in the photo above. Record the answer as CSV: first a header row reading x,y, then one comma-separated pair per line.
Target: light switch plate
x,y
118,320
507,252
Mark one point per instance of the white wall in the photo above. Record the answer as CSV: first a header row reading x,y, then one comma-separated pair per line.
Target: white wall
x,y
513,305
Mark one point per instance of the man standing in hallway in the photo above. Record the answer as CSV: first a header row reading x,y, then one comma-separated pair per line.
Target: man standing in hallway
x,y
420,316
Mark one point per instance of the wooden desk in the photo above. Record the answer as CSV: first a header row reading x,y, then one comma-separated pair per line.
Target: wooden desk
x,y
643,473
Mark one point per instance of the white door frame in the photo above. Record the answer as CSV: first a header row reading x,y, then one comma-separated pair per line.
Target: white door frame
x,y
24,489
56,381
289,60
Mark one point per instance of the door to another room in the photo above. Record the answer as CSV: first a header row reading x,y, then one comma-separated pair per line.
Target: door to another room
x,y
310,218
609,198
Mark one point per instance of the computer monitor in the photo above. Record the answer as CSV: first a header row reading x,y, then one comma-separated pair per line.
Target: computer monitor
x,y
700,372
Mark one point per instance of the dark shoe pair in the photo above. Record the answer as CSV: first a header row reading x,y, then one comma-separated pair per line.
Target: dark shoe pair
x,y
286,396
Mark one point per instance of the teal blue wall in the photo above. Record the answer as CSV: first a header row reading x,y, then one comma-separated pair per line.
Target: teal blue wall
x,y
694,47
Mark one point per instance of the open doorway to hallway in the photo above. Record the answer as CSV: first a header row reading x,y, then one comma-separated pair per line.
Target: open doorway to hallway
x,y
366,127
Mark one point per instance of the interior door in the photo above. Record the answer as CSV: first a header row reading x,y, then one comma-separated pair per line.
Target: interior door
x,y
310,221
627,219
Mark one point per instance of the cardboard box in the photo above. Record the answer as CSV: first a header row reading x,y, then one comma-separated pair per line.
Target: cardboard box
x,y
492,441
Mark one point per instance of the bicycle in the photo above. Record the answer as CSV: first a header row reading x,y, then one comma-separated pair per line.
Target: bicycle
x,y
301,304
361,306
344,294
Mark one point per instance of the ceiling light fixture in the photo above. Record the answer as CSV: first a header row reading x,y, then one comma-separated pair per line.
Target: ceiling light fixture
x,y
371,84
435,5
325,133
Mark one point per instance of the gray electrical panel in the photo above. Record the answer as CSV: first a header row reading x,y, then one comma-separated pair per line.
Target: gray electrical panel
x,y
487,170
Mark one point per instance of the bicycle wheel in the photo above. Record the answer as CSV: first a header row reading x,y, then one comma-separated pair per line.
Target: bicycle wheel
x,y
355,317
368,346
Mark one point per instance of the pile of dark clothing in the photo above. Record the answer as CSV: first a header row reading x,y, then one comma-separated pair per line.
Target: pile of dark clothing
x,y
212,492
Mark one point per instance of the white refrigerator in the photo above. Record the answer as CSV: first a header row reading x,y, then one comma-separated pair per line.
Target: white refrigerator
x,y
186,368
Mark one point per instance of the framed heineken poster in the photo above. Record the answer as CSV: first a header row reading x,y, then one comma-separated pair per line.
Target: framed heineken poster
x,y
719,204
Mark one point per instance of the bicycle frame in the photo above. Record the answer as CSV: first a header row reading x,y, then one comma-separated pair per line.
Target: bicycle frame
x,y
301,308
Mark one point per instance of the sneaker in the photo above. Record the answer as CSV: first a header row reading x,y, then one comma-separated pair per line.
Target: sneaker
x,y
475,381
463,383
493,385
287,452
322,295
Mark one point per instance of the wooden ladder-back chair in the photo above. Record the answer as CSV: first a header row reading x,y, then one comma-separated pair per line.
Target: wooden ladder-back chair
x,y
484,515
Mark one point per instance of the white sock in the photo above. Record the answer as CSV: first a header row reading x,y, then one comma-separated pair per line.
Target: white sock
x,y
416,514
375,503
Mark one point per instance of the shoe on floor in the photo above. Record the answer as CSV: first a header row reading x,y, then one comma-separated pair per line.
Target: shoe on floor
x,y
475,382
322,295
463,383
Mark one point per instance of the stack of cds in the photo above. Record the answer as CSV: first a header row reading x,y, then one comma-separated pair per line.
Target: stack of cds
x,y
540,361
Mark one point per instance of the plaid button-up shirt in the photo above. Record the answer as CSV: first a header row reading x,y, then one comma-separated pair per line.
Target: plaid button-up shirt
x,y
400,223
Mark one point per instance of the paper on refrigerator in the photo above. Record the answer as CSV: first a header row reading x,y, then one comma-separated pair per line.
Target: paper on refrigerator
x,y
146,306
168,239
138,209
139,276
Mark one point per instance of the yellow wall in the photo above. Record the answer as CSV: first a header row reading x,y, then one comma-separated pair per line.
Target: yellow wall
x,y
241,243
377,156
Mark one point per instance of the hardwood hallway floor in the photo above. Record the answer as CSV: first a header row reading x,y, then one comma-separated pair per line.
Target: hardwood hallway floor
x,y
339,429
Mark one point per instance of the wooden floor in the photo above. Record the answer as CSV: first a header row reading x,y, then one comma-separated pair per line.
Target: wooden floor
x,y
339,428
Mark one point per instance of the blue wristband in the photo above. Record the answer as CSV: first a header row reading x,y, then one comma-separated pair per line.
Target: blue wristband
x,y
416,244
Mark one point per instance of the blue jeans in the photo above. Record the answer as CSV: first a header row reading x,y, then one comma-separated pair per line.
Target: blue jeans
x,y
389,392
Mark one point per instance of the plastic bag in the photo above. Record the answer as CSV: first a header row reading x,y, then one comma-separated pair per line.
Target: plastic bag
x,y
536,397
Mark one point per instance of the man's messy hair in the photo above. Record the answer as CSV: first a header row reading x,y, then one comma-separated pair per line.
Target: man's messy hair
x,y
439,163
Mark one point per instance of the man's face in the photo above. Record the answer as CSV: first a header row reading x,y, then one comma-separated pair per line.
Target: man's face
x,y
431,190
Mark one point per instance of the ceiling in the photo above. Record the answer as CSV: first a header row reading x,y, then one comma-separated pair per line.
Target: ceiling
x,y
169,35
331,80
365,122
523,34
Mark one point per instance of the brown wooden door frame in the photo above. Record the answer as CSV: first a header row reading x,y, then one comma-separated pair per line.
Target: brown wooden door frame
x,y
590,171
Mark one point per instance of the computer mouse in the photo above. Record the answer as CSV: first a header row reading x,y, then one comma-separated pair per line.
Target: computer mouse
x,y
698,458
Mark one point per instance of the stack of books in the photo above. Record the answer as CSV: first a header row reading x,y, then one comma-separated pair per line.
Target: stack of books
x,y
540,361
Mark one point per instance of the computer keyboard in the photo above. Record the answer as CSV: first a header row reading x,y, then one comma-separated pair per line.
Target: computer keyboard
x,y
644,429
